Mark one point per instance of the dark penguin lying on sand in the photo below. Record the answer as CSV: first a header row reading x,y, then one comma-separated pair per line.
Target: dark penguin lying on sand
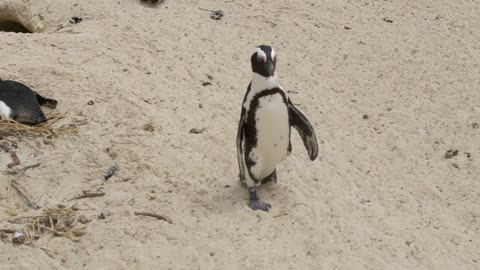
x,y
263,138
22,104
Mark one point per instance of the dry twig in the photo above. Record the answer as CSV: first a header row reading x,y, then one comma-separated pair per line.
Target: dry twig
x,y
9,149
21,171
88,194
20,192
157,216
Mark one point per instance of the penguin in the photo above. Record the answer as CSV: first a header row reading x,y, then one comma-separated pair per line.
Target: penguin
x,y
152,2
263,136
22,104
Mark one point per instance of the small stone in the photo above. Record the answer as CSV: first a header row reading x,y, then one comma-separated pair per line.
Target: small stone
x,y
18,238
90,102
347,27
104,214
212,254
475,125
216,14
110,171
365,117
148,127
197,130
78,232
83,219
451,153
75,20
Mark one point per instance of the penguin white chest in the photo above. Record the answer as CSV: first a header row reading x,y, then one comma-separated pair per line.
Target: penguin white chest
x,y
273,129
5,110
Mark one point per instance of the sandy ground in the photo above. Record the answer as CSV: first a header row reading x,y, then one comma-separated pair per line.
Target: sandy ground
x,y
390,87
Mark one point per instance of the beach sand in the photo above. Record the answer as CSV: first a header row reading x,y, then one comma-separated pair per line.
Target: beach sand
x,y
390,87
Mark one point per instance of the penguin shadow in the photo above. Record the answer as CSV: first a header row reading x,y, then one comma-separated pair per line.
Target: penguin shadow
x,y
228,199
234,196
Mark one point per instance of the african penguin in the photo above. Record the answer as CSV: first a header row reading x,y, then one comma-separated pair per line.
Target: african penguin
x,y
263,137
22,104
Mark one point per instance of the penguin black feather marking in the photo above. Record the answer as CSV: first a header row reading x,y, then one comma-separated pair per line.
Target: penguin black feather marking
x,y
264,129
22,104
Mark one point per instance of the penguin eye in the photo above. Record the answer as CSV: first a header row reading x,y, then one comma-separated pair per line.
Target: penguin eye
x,y
261,58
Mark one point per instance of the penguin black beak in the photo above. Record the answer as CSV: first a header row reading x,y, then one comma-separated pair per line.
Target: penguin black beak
x,y
270,68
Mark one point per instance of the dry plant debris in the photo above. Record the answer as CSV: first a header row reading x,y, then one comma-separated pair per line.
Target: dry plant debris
x,y
157,216
214,14
21,171
88,194
9,149
9,127
63,222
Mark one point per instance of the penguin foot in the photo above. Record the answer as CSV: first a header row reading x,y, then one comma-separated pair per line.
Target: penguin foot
x,y
255,203
259,205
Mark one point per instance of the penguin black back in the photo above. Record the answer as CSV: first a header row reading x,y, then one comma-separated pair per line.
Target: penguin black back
x,y
22,104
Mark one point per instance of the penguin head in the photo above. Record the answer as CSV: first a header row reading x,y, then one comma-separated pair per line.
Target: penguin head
x,y
264,61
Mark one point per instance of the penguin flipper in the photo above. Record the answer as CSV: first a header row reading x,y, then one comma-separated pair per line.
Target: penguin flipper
x,y
241,161
300,122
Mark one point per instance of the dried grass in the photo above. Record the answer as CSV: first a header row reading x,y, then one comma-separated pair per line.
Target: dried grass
x,y
11,128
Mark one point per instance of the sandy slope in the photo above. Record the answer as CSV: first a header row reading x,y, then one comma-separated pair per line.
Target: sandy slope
x,y
381,196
